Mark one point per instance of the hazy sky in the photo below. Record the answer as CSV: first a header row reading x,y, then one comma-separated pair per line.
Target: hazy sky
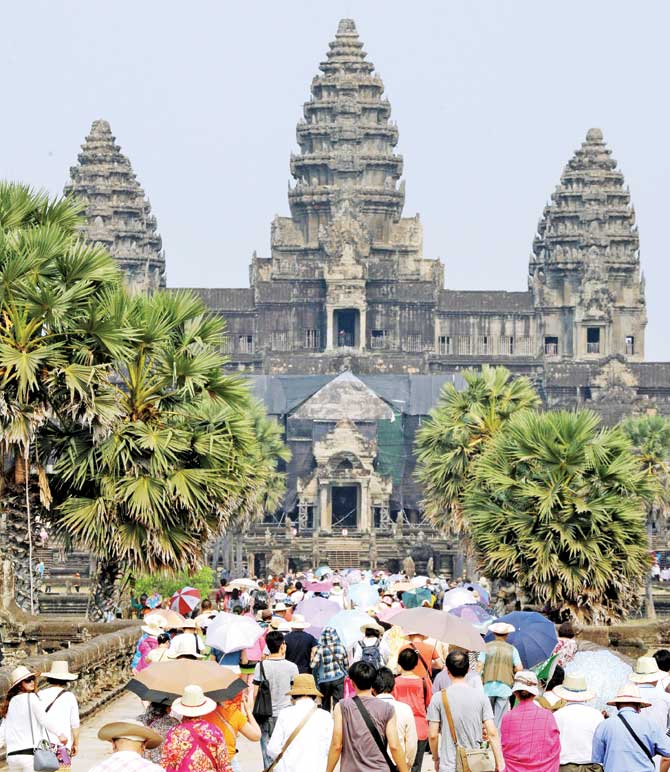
x,y
491,99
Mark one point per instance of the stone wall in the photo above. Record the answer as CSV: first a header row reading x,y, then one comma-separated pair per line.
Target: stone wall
x,y
631,639
103,665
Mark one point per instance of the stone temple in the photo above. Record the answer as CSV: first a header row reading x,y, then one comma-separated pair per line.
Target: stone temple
x,y
348,333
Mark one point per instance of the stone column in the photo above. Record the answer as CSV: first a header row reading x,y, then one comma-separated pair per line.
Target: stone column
x,y
329,327
325,512
362,327
364,511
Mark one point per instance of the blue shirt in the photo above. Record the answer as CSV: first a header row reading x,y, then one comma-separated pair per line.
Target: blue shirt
x,y
499,688
617,751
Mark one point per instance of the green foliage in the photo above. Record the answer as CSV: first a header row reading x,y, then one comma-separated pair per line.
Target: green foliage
x,y
557,505
167,585
457,432
650,436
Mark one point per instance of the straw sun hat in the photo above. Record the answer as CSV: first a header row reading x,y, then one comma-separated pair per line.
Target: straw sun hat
x,y
629,694
193,702
129,729
526,681
501,628
60,671
646,671
574,689
304,686
21,673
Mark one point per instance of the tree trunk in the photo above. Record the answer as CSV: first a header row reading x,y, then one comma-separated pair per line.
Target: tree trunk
x,y
649,590
104,594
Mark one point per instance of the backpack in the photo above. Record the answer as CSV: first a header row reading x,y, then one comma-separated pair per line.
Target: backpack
x,y
260,600
371,654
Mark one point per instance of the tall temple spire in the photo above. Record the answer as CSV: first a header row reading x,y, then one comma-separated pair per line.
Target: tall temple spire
x,y
590,214
346,143
117,213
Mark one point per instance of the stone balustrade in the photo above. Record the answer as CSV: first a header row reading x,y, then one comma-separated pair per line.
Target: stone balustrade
x,y
103,665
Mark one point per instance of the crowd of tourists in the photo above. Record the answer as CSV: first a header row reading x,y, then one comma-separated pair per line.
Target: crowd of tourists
x,y
318,696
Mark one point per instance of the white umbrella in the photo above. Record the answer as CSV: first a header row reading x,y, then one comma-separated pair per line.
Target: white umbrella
x,y
244,584
232,632
459,596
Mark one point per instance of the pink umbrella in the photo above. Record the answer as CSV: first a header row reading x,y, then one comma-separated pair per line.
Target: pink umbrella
x,y
317,611
185,600
318,586
387,614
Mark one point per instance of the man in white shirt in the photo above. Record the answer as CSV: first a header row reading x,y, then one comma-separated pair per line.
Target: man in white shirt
x,y
577,721
60,704
383,690
129,740
647,676
309,748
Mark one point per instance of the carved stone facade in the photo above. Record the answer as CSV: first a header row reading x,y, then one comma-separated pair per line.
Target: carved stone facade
x,y
117,213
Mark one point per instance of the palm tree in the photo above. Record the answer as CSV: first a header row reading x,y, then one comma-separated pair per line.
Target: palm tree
x,y
177,467
59,331
557,505
650,436
457,432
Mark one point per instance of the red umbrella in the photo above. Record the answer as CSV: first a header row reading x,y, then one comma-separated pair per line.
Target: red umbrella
x,y
185,600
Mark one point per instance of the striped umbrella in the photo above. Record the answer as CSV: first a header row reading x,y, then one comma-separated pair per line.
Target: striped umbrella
x,y
185,600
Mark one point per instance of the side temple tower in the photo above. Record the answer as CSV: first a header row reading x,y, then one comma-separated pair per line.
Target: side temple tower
x,y
585,267
117,213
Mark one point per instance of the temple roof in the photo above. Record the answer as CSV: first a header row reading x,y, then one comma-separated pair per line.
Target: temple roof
x,y
117,213
346,139
590,214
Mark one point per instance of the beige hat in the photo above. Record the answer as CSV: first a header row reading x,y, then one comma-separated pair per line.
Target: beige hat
x,y
574,689
372,625
203,621
21,673
193,702
646,671
152,628
304,685
156,620
526,681
501,628
129,729
629,693
299,622
277,623
280,607
60,671
183,645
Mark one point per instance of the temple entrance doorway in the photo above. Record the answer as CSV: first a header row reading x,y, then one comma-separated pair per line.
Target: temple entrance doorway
x,y
344,500
347,326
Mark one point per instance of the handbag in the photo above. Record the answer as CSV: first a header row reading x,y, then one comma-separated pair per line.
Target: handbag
x,y
291,738
263,703
475,760
44,759
375,734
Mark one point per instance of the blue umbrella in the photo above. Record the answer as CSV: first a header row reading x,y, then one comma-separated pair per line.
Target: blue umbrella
x,y
534,636
322,571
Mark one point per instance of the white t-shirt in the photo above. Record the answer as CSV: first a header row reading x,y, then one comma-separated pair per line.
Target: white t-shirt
x,y
577,724
64,713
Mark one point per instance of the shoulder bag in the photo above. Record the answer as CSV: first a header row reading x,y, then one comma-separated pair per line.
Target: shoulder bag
x,y
263,704
477,760
291,738
44,759
375,734
646,750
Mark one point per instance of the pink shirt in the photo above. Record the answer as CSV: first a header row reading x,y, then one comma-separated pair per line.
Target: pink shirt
x,y
147,645
530,738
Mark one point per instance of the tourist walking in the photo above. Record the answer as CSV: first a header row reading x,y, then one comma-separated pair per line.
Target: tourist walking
x,y
577,722
61,706
470,712
417,693
382,688
24,720
151,631
662,657
235,717
370,647
499,662
161,652
157,717
529,735
429,657
303,733
279,673
628,740
329,665
300,644
129,740
194,745
365,733
647,676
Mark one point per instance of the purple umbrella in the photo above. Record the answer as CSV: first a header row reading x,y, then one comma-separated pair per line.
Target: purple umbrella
x,y
317,611
473,613
484,596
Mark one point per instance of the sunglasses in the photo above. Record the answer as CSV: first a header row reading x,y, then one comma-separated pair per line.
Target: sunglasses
x,y
28,680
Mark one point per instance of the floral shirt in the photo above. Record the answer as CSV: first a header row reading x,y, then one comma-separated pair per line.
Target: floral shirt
x,y
195,746
160,722
566,648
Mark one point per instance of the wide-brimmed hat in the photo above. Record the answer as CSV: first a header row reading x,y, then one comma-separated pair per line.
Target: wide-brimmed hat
x,y
372,624
277,623
629,693
152,628
304,685
203,621
129,729
183,645
574,689
60,671
646,671
280,607
299,622
526,681
501,628
21,673
193,702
